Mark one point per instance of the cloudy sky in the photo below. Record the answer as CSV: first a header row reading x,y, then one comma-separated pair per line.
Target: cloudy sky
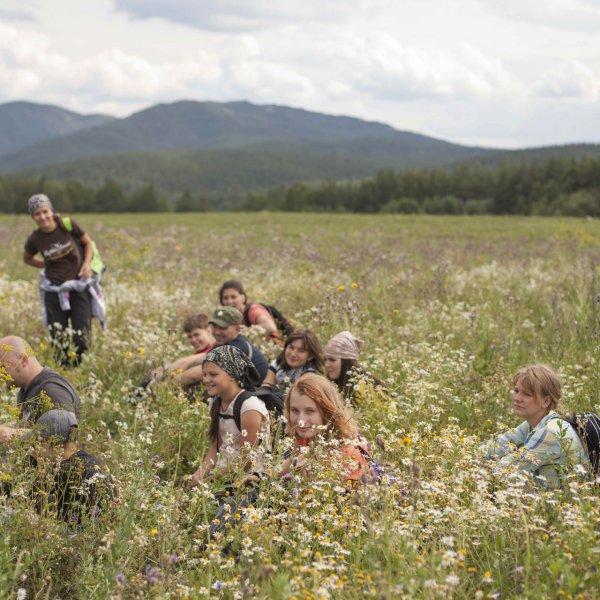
x,y
505,73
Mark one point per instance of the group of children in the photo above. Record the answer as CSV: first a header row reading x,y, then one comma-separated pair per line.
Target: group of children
x,y
320,384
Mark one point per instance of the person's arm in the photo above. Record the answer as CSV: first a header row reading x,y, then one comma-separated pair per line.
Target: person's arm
x,y
208,464
7,434
268,324
186,362
88,252
542,448
286,467
269,378
190,376
259,315
29,259
506,442
354,464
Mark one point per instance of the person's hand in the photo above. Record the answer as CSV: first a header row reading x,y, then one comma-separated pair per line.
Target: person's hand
x,y
6,434
299,461
248,479
85,271
193,480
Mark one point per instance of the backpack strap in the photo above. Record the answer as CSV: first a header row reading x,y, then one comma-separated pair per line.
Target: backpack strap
x,y
67,223
249,349
237,407
222,416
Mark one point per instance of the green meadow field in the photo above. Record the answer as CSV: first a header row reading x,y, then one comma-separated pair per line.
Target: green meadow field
x,y
449,308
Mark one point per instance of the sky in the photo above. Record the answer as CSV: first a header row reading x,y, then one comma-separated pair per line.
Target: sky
x,y
498,73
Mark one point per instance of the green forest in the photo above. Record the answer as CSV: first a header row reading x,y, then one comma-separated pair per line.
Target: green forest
x,y
567,186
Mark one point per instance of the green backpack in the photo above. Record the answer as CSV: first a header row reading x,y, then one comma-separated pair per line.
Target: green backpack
x,y
97,265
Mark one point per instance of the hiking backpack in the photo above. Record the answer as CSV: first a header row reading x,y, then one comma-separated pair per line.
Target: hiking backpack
x,y
273,399
587,426
96,265
282,323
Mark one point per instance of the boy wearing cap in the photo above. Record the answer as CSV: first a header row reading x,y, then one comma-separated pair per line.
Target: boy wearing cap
x,y
227,328
81,486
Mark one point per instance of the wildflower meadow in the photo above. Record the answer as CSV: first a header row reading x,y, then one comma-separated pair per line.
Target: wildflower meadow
x,y
449,308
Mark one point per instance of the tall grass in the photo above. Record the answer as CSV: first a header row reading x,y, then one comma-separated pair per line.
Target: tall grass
x,y
449,308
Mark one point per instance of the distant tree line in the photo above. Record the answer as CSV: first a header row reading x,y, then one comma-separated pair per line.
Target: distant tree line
x,y
553,186
74,196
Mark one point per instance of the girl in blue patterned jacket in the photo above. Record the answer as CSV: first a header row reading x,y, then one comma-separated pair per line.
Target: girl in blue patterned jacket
x,y
544,445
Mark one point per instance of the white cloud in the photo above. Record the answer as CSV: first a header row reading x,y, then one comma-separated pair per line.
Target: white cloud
x,y
265,82
380,65
462,69
571,79
29,68
580,15
236,15
18,10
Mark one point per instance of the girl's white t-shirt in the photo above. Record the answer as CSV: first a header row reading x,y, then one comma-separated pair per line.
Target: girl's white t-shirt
x,y
230,437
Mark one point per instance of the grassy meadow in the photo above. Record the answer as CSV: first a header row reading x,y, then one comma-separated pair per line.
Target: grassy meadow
x,y
448,308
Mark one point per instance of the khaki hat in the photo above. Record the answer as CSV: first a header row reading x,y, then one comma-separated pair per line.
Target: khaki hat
x,y
226,316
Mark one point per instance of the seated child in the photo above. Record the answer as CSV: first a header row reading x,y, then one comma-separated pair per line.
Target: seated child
x,y
188,370
81,486
315,415
351,378
232,293
543,445
227,373
301,353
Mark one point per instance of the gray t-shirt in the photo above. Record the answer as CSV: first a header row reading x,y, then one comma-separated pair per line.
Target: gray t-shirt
x,y
46,391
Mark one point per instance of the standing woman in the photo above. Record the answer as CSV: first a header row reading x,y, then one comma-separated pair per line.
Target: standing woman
x,y
351,378
65,278
232,293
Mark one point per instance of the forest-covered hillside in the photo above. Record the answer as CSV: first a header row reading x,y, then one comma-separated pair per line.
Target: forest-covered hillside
x,y
545,186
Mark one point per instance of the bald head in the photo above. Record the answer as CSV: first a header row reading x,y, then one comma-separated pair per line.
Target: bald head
x,y
13,345
18,361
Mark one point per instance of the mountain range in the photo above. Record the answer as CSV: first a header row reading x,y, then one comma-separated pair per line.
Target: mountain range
x,y
230,147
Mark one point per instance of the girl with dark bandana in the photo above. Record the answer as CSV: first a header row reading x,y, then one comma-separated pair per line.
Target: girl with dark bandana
x,y
227,372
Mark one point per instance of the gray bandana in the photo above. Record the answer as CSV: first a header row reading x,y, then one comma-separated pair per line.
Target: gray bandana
x,y
38,201
236,364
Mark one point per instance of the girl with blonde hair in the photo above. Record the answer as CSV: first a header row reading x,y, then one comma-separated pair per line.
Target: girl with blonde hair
x,y
545,444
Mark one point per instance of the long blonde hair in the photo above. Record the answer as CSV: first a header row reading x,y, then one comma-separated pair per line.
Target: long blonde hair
x,y
340,423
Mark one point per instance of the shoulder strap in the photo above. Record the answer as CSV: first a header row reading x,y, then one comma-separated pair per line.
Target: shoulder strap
x,y
246,315
67,223
237,407
249,349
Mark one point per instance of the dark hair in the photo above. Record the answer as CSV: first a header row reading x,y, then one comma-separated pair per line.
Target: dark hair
x,y
195,322
213,428
349,369
232,284
311,343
